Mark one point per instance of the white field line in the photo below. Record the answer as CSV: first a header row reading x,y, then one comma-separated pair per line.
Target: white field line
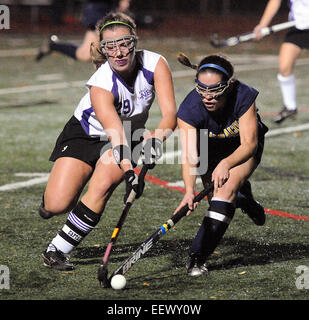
x,y
40,178
280,131
37,178
71,84
176,75
42,87
49,77
18,52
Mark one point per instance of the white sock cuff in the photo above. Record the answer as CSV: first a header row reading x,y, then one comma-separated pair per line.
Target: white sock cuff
x,y
287,86
62,245
282,78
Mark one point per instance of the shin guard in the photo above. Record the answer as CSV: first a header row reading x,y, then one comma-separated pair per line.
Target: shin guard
x,y
214,225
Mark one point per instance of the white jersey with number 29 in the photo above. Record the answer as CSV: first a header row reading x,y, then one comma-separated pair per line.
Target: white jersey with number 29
x,y
131,103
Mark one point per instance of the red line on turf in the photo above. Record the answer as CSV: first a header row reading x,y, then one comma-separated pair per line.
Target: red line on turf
x,y
164,184
285,214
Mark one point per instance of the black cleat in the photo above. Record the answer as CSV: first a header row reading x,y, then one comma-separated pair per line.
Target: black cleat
x,y
45,49
248,205
284,114
195,267
57,260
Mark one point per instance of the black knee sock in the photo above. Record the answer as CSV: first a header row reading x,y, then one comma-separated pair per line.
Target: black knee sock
x,y
67,49
80,222
214,225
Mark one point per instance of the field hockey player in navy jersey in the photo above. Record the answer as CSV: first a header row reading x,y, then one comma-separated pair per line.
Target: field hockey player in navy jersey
x,y
225,109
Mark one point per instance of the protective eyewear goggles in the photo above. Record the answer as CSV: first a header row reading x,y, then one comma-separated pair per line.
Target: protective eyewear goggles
x,y
124,44
214,91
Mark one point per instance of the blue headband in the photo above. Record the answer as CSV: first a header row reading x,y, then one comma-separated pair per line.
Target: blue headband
x,y
214,66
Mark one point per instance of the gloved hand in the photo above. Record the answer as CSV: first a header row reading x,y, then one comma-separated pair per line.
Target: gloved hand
x,y
151,152
133,182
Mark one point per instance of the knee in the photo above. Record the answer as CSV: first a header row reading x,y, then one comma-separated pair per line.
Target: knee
x,y
83,55
52,207
226,192
44,213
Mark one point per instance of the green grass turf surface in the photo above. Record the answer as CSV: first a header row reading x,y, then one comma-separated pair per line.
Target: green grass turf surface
x,y
251,262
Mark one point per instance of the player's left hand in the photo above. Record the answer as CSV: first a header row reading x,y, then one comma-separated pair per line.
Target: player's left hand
x,y
220,175
133,182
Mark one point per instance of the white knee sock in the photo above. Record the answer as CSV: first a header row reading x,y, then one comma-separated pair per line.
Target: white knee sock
x,y
287,85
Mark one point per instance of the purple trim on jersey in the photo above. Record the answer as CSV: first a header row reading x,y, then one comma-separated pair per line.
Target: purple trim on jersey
x,y
84,120
149,76
291,15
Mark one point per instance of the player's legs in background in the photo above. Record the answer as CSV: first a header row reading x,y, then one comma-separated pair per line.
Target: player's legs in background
x,y
83,51
289,52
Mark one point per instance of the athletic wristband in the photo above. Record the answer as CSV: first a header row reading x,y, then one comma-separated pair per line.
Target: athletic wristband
x,y
121,152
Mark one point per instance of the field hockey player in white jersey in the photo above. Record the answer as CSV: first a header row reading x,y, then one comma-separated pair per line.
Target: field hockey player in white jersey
x,y
96,144
296,39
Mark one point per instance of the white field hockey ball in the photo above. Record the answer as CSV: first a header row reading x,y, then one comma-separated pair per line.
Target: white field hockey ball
x,y
118,282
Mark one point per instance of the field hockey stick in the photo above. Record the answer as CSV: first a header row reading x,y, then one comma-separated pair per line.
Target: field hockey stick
x,y
103,271
233,41
148,243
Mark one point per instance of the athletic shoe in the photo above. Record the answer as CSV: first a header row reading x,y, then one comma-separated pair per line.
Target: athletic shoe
x,y
57,260
248,205
196,268
46,48
284,114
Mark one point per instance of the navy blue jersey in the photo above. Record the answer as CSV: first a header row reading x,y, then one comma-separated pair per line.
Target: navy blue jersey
x,y
223,131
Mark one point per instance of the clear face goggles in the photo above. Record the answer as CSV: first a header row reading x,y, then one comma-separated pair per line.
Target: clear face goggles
x,y
214,91
124,44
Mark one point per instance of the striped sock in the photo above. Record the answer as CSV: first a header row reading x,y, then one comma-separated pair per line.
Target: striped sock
x,y
80,222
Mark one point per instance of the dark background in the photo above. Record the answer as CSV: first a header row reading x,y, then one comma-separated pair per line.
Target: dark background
x,y
176,17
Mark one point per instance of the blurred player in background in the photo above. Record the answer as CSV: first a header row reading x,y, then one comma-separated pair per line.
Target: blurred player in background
x,y
295,40
92,13
226,108
95,144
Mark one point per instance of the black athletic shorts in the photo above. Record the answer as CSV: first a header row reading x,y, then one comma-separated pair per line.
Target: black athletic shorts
x,y
74,142
219,149
298,37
